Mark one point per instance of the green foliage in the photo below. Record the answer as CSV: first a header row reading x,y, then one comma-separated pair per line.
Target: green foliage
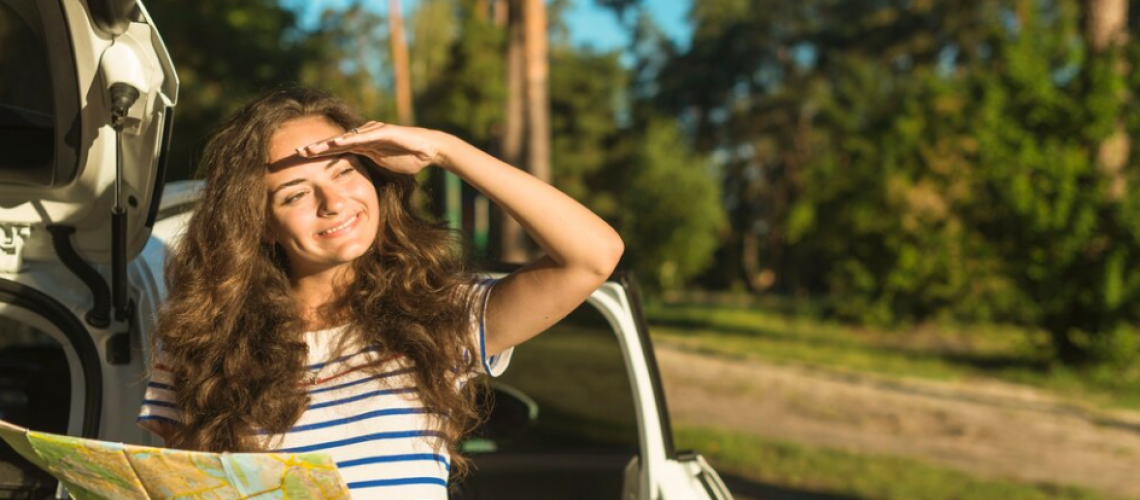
x,y
671,211
469,95
1043,204
225,53
585,94
434,28
353,44
642,175
912,160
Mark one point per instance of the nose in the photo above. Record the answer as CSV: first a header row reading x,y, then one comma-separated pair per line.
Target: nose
x,y
332,201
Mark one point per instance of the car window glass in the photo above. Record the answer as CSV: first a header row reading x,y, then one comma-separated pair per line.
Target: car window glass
x,y
35,392
27,124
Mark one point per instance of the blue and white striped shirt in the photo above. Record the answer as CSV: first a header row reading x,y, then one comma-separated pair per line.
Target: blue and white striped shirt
x,y
372,423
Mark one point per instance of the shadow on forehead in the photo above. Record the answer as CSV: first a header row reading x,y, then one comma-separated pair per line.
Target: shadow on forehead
x,y
295,160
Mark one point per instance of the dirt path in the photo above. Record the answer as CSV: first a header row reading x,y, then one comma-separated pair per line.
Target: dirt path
x,y
987,429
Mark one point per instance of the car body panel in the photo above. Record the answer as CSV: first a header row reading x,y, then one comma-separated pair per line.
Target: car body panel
x,y
85,202
612,300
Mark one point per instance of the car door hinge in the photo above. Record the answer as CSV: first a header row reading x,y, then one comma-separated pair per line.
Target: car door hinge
x,y
12,240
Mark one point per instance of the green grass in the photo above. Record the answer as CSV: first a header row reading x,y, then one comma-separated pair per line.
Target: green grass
x,y
868,477
939,352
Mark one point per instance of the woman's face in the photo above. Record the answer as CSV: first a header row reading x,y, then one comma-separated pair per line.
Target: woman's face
x,y
323,211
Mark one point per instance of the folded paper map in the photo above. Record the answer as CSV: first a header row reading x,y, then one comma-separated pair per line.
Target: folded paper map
x,y
101,470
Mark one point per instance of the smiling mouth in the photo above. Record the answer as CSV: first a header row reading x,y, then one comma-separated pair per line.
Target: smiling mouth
x,y
346,225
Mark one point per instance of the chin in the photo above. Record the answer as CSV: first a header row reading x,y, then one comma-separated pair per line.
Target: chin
x,y
345,253
350,253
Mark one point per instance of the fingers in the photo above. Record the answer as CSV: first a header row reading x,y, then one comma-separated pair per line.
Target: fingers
x,y
344,142
367,127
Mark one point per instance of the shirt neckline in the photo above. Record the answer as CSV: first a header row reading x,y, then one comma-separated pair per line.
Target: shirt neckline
x,y
324,331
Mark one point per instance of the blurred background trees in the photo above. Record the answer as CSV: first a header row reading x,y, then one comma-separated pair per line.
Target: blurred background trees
x,y
895,160
910,160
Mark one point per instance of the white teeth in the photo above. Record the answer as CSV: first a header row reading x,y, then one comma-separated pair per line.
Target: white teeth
x,y
338,228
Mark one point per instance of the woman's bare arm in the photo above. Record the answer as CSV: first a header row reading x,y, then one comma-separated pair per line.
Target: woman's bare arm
x,y
581,250
159,428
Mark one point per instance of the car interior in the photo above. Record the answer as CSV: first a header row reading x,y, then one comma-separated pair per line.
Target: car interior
x,y
561,422
35,391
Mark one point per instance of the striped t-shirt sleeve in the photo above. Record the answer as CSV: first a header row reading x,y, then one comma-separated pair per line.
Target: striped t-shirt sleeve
x,y
491,365
159,400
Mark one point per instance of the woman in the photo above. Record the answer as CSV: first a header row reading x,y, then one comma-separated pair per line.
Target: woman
x,y
311,309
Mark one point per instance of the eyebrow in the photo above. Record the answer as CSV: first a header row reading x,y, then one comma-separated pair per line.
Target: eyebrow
x,y
294,182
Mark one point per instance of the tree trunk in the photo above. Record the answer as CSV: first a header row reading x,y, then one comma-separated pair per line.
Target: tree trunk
x,y
512,140
404,110
1106,31
537,93
513,244
1106,24
526,140
499,12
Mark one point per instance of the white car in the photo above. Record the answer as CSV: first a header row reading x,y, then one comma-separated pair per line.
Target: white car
x,y
87,93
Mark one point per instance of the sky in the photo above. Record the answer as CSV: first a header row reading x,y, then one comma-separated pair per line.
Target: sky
x,y
598,27
589,24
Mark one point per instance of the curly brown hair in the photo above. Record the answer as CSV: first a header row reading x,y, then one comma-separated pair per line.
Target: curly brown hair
x,y
233,331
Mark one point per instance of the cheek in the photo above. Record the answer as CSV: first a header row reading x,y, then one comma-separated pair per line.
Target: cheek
x,y
285,224
377,215
367,194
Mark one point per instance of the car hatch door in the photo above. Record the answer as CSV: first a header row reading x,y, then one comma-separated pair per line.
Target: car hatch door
x,y
617,300
55,110
660,470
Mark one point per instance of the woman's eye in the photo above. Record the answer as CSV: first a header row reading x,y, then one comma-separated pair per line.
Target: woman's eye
x,y
346,171
293,197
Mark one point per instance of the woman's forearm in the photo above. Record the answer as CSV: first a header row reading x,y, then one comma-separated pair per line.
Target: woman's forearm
x,y
570,234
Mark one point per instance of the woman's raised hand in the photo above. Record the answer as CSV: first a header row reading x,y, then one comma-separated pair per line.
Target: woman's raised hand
x,y
404,150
